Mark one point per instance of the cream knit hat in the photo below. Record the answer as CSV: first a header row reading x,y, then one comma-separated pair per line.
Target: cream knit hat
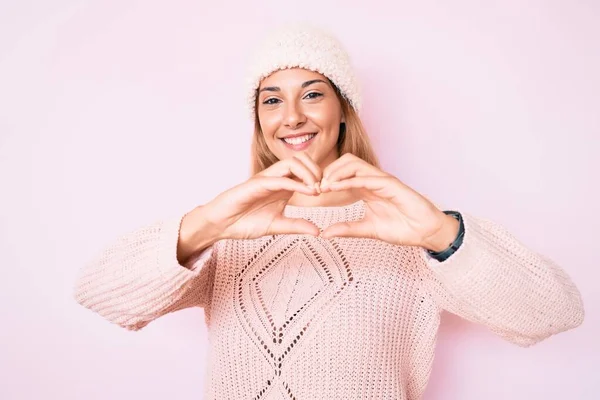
x,y
303,46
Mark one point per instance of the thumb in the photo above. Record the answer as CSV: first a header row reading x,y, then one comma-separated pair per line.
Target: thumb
x,y
348,229
284,225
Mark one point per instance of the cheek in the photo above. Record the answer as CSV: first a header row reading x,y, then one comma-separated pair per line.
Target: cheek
x,y
328,118
268,125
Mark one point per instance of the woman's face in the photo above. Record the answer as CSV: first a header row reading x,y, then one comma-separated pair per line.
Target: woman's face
x,y
298,110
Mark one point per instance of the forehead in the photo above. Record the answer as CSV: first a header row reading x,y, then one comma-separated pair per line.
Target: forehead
x,y
291,77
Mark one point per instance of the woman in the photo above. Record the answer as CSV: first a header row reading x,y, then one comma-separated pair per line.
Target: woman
x,y
322,276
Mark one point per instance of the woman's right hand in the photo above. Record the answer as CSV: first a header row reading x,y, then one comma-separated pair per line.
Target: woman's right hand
x,y
253,208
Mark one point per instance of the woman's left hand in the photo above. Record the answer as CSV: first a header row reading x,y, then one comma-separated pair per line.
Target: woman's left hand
x,y
395,213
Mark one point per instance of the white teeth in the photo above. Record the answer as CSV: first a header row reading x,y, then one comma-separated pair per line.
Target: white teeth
x,y
299,139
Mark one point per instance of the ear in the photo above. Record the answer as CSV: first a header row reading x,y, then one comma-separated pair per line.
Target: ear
x,y
343,121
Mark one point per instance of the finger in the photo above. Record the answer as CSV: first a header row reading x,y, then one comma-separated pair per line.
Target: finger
x,y
284,226
353,168
310,164
349,229
291,167
373,187
336,164
375,184
275,184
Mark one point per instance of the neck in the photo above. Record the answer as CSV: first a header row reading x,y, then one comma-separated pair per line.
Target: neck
x,y
329,199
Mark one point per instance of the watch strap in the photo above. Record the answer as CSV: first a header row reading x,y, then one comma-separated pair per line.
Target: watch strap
x,y
444,254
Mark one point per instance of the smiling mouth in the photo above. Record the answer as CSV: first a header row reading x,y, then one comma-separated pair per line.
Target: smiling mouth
x,y
299,139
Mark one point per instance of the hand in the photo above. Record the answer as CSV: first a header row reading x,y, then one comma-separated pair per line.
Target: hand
x,y
255,207
395,213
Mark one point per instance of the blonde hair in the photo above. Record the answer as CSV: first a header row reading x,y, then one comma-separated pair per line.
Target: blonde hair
x,y
352,139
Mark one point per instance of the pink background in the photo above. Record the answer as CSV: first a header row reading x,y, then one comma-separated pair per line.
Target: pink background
x,y
115,113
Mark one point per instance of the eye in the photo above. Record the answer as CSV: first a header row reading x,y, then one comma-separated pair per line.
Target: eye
x,y
271,101
313,95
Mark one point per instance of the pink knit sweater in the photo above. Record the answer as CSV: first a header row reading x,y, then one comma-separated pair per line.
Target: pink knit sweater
x,y
300,317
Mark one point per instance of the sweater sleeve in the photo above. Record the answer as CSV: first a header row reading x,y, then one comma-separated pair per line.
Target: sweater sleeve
x,y
495,280
138,277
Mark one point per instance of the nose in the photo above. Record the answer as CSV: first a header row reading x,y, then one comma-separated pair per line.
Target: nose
x,y
294,117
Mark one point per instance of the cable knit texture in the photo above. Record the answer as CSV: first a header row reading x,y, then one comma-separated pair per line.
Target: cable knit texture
x,y
304,46
301,317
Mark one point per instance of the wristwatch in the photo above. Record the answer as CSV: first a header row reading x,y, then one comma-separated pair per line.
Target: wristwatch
x,y
444,254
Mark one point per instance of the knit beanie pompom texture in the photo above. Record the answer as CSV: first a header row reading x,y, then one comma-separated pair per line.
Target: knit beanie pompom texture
x,y
303,46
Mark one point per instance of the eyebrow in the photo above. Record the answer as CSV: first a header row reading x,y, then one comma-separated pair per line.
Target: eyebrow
x,y
278,89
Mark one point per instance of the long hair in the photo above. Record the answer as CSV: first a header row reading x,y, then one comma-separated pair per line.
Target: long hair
x,y
352,139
